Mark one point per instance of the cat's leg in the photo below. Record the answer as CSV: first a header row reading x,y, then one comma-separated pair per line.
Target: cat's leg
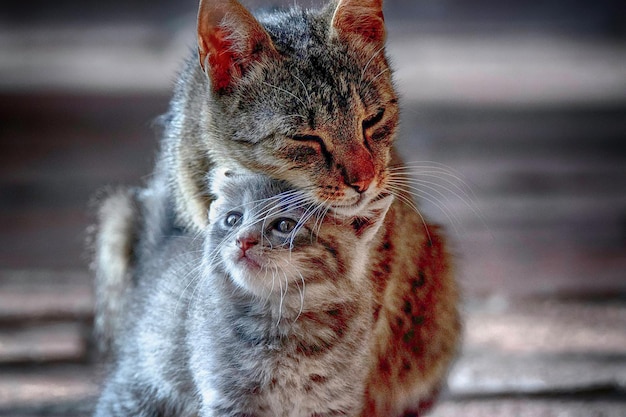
x,y
417,330
424,406
139,389
124,398
114,242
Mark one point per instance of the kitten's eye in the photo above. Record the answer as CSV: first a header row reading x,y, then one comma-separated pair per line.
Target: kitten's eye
x,y
373,120
233,219
285,225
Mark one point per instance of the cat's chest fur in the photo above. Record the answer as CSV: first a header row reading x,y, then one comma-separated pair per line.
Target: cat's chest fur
x,y
307,363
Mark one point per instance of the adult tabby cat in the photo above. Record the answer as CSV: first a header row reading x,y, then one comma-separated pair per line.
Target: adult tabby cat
x,y
265,314
305,97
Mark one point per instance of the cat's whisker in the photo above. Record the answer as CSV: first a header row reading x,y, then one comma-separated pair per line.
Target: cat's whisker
x,y
290,116
310,211
450,179
196,280
202,279
302,292
324,209
285,91
421,189
209,263
400,195
453,183
280,304
432,167
374,55
308,97
270,294
439,189
442,190
377,76
442,175
453,220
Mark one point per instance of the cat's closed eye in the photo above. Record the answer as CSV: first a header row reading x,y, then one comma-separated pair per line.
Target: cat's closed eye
x,y
310,139
374,119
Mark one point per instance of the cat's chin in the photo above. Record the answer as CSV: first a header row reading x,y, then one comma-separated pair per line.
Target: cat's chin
x,y
248,278
353,210
249,264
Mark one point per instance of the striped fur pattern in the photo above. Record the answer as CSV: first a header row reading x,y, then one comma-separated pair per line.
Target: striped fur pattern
x,y
304,97
271,315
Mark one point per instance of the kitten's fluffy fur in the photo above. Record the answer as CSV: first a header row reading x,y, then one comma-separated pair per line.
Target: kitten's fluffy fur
x,y
277,332
305,97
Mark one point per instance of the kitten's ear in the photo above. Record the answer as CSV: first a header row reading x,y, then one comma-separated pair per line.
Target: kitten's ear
x,y
360,19
230,39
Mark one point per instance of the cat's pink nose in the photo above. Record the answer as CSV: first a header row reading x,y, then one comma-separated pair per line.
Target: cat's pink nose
x,y
359,169
246,242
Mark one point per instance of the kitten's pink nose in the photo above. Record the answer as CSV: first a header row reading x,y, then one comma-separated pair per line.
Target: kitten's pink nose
x,y
246,242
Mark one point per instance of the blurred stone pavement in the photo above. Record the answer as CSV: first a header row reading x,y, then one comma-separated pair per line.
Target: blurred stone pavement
x,y
516,140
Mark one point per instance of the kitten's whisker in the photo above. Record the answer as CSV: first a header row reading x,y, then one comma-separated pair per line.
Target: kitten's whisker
x,y
324,209
196,278
280,304
270,294
284,274
302,292
209,262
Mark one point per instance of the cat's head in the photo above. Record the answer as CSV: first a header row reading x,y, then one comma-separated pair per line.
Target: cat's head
x,y
303,96
266,236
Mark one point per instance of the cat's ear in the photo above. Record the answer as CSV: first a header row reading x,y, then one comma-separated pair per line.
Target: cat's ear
x,y
230,39
360,20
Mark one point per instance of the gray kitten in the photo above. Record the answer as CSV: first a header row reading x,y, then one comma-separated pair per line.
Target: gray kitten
x,y
265,314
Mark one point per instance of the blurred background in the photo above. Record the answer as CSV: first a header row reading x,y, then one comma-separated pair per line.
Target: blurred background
x,y
514,110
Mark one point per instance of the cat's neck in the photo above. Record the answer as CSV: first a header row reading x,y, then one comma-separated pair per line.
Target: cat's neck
x,y
304,311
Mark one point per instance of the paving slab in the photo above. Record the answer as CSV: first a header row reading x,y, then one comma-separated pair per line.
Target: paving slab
x,y
546,327
541,347
45,294
491,374
46,387
44,343
529,408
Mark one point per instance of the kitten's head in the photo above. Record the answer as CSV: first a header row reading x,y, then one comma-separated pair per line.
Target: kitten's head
x,y
266,236
303,96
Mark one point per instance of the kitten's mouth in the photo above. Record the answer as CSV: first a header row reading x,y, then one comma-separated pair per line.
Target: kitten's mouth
x,y
248,261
